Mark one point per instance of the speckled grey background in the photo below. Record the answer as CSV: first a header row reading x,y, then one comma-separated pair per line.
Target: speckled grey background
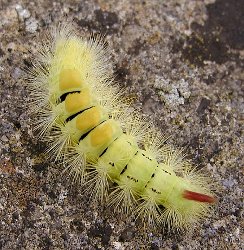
x,y
182,62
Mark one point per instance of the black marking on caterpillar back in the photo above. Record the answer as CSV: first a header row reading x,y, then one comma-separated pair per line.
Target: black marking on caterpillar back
x,y
124,169
74,115
63,96
152,176
104,151
166,172
147,157
111,163
132,178
86,134
155,191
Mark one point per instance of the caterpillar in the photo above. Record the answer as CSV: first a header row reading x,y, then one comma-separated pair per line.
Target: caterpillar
x,y
105,144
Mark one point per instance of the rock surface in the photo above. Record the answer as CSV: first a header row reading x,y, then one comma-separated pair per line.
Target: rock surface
x,y
182,60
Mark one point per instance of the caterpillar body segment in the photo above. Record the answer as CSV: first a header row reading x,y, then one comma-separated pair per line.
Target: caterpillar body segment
x,y
101,139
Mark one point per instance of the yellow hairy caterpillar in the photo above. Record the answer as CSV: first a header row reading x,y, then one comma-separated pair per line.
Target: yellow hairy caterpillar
x,y
104,142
